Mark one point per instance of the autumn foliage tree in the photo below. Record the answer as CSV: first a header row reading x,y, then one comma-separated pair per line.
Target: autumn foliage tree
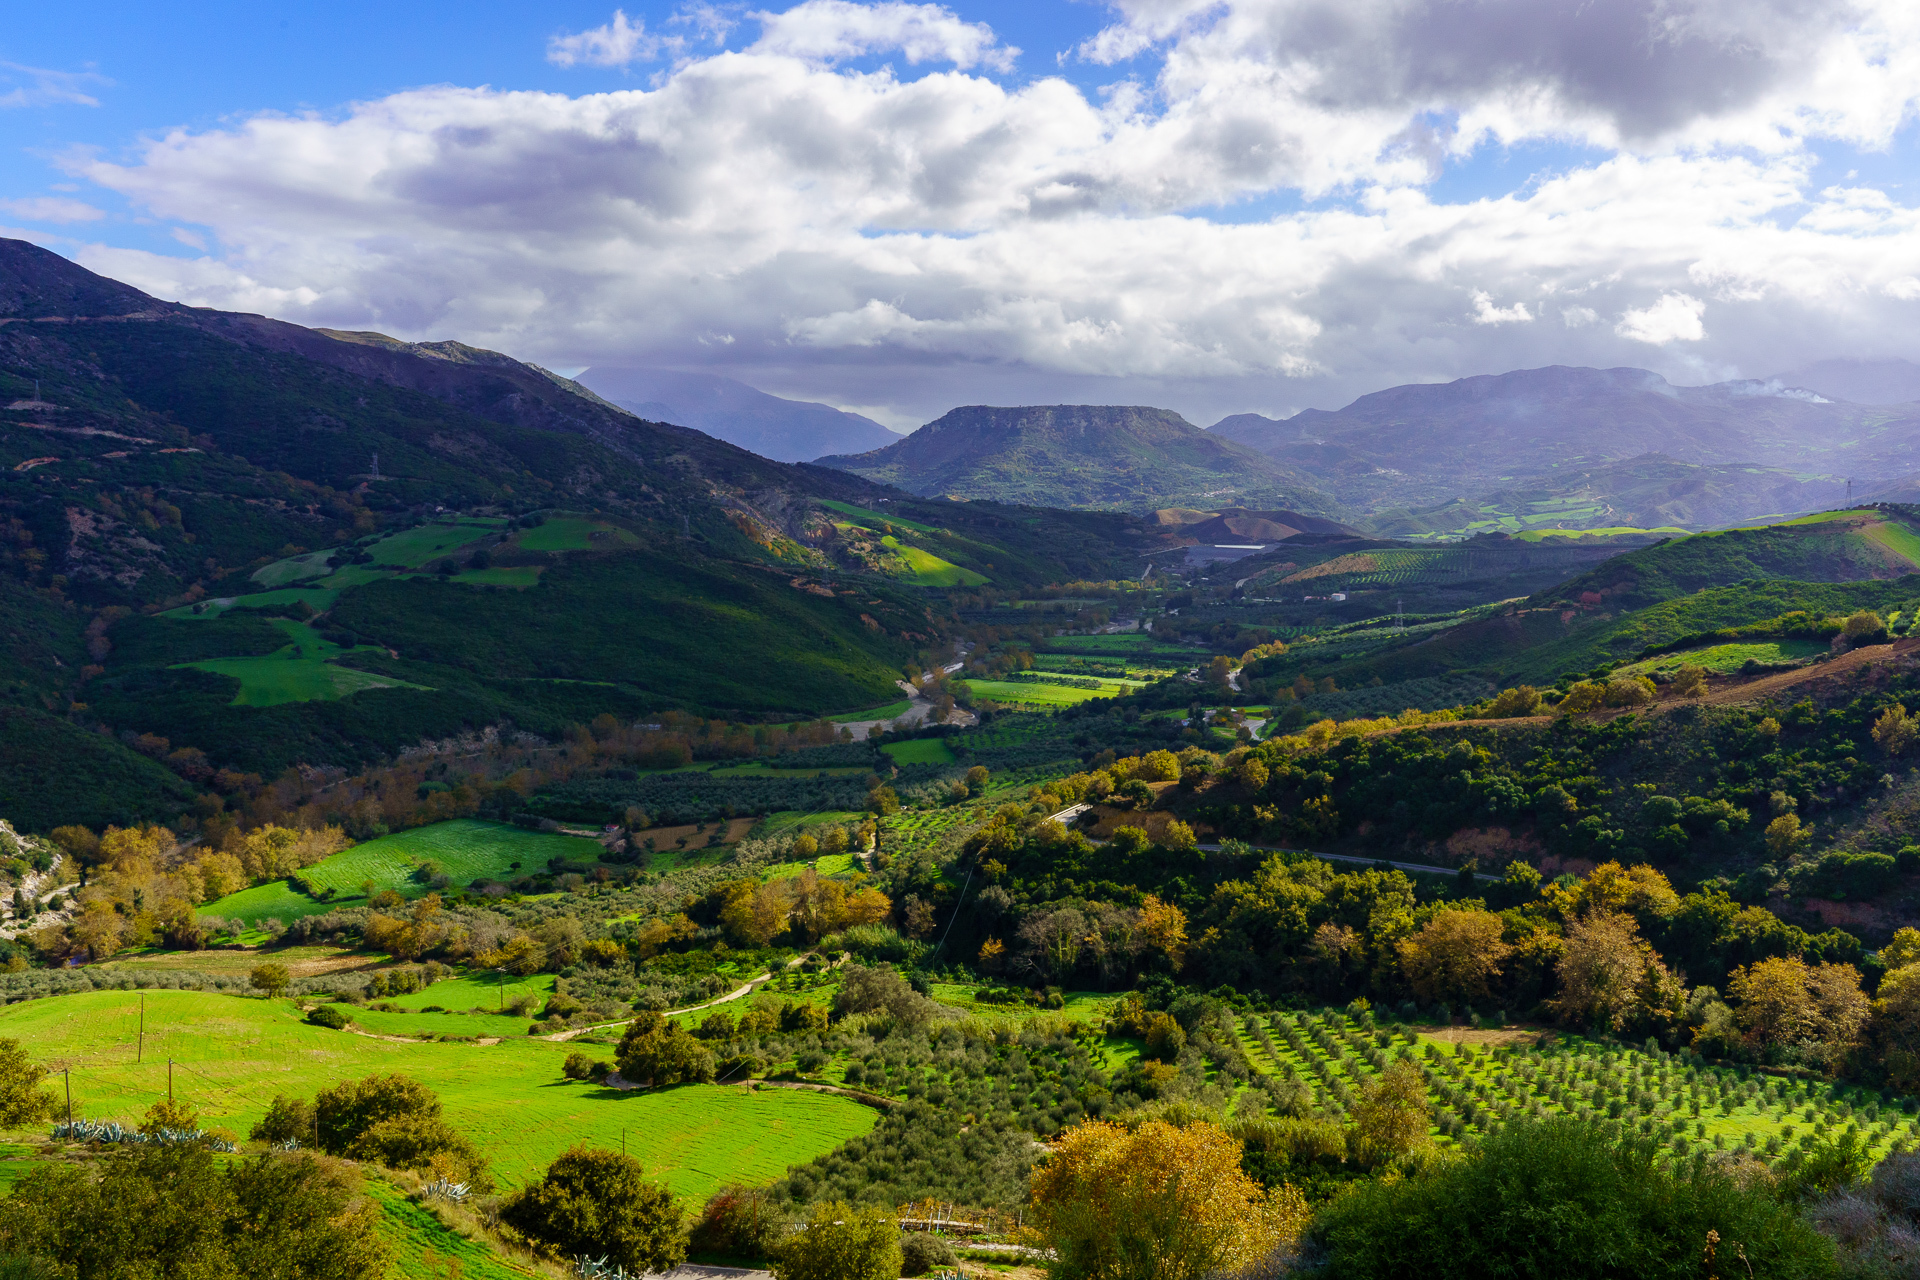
x,y
1156,1202
1455,956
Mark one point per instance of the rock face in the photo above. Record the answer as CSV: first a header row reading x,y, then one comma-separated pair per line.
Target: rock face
x,y
1115,457
784,430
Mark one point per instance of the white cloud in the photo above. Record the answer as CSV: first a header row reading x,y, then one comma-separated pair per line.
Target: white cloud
x,y
39,87
832,30
1484,312
770,207
51,209
620,42
1674,318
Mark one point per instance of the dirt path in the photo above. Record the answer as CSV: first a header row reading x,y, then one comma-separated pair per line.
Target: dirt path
x,y
668,1013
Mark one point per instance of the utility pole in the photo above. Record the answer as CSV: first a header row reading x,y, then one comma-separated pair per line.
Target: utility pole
x,y
169,1083
140,1049
68,1073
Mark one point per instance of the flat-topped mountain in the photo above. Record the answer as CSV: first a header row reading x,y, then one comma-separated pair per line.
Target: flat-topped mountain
x,y
1122,457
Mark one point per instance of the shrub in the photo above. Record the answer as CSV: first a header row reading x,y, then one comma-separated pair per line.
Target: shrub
x,y
395,1121
287,1120
579,1066
922,1251
1560,1198
657,1052
599,1203
1165,1038
841,1242
741,1223
330,1016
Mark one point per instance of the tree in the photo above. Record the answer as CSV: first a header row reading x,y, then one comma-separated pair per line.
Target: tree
x,y
657,1052
1896,1025
1164,1038
880,990
394,1121
1600,970
977,779
600,1204
1784,836
1783,1002
287,1120
22,1101
1689,682
1560,1198
1178,838
1895,731
1252,774
270,979
169,1209
1391,1115
842,1242
1455,956
1156,1203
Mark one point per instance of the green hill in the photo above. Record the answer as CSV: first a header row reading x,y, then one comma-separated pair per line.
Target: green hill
x,y
1123,458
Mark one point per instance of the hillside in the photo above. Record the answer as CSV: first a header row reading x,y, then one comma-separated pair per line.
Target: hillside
x,y
1119,458
260,545
1427,444
784,430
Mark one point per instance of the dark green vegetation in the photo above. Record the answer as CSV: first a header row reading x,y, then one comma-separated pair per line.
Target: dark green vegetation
x,y
1127,459
53,772
1562,1199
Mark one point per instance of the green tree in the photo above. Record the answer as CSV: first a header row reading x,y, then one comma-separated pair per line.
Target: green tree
x,y
840,1242
395,1121
1560,1198
22,1101
270,979
1391,1116
287,1120
170,1210
657,1052
599,1203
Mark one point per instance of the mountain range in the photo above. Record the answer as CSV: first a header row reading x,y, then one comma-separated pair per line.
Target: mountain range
x,y
1127,458
784,430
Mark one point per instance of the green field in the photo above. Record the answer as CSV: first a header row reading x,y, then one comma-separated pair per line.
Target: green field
x,y
519,577
1040,695
424,1249
1723,658
892,711
304,671
827,864
1539,535
321,599
467,849
929,570
283,573
920,751
234,1054
574,533
412,548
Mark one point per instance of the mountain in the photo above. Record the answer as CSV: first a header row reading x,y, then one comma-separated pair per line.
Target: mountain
x,y
233,544
1126,458
1858,381
784,430
1652,491
1427,444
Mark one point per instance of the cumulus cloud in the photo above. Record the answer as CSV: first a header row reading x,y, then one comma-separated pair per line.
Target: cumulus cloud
x,y
1674,318
618,43
772,206
1484,312
832,30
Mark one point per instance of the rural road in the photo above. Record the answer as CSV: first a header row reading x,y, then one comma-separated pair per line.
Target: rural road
x,y
1421,867
735,994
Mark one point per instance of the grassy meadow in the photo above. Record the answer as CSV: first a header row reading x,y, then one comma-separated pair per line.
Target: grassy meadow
x,y
233,1054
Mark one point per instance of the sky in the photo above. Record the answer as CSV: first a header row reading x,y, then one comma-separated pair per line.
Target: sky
x,y
1213,206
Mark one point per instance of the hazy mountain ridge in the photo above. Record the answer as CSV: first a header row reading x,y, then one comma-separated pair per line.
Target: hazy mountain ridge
x,y
771,426
1131,458
1424,445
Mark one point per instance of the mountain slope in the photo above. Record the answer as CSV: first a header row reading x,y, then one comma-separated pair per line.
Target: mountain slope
x,y
1427,444
784,430
1089,456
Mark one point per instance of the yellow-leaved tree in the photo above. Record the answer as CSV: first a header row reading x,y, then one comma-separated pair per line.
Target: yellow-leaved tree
x,y
1157,1202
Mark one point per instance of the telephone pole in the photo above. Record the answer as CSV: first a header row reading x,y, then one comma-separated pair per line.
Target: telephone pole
x,y
67,1072
140,1046
169,1083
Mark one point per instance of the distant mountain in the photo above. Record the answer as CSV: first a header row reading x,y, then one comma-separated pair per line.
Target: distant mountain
x,y
1427,444
1127,458
1652,491
1858,381
784,430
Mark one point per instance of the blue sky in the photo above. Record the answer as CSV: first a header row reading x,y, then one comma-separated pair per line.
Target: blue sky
x,y
1254,235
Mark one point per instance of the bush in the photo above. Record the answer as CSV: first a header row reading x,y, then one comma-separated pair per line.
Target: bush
x,y
287,1120
922,1251
1561,1198
395,1121
741,1223
840,1242
579,1066
599,1203
657,1052
329,1016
